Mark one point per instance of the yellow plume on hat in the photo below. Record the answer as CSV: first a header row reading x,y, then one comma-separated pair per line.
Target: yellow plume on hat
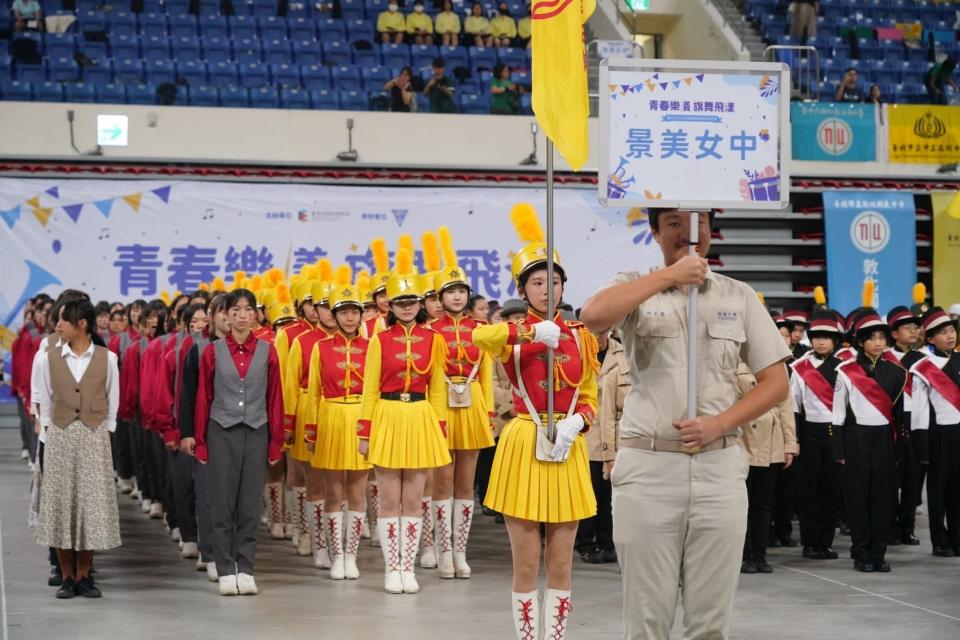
x,y
403,260
274,276
283,294
324,271
165,297
431,251
218,284
344,275
363,279
526,222
381,259
868,289
446,245
309,271
405,243
819,295
256,283
204,286
238,277
919,293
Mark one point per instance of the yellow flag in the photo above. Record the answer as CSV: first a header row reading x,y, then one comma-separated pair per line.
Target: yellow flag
x,y
133,200
560,100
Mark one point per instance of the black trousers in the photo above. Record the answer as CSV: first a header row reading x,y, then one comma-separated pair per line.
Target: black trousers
x,y
155,466
785,502
140,438
868,477
204,522
943,486
484,467
597,531
761,483
184,496
908,489
126,458
819,490
28,438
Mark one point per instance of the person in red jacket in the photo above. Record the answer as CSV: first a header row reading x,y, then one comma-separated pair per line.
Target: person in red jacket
x,y
21,356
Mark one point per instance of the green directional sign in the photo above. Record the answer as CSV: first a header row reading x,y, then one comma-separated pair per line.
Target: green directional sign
x,y
112,131
639,5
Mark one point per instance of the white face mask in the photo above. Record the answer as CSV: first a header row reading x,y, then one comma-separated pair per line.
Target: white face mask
x,y
418,9
392,7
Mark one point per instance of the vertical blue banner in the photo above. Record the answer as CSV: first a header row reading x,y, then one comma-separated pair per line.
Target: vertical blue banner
x,y
870,235
834,132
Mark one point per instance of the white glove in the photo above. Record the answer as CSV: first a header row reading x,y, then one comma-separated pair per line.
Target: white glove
x,y
567,430
548,333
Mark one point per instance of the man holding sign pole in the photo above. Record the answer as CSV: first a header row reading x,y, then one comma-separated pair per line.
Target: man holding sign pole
x,y
679,493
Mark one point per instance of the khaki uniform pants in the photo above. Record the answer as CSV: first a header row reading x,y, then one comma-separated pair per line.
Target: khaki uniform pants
x,y
678,524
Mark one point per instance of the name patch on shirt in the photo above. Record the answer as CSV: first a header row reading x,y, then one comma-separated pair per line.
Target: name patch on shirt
x,y
727,316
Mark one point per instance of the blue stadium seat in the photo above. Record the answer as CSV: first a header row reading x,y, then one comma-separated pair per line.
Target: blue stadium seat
x,y
129,70
512,57
336,53
331,30
187,48
264,98
177,7
307,52
892,51
353,10
121,23
160,71
48,92
482,57
285,75
361,30
520,77
346,78
60,45
183,26
93,50
315,77
6,66
254,75
92,21
265,8
155,47
247,51
222,74
299,10
234,97
204,96
243,27
277,52
193,71
422,55
125,46
454,57
209,7
302,29
33,73
214,27
110,93
216,50
293,98
325,99
476,103
273,28
366,54
141,94
395,55
354,101
470,85
375,77
81,92
18,91
526,104
375,7
63,70
423,103
153,24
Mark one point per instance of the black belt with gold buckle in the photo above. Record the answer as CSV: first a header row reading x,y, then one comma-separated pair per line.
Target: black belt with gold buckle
x,y
404,397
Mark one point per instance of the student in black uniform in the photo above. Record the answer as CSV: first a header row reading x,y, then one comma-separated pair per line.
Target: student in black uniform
x,y
936,426
812,382
867,406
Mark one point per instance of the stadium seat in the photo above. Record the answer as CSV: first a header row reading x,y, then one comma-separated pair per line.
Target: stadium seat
x,y
214,27
482,58
234,97
315,77
346,78
375,77
155,47
476,103
325,99
264,98
121,23
395,55
204,96
264,8
361,30
80,92
243,27
293,98
354,101
302,29
128,70
285,75
159,71
223,73
33,73
514,58
306,52
125,47
93,50
454,57
193,71
273,28
61,45
254,75
422,55
353,10
63,70
331,30
277,52
365,54
110,93
216,50
48,92
336,53
247,51
92,21
153,24
18,90
187,48
183,26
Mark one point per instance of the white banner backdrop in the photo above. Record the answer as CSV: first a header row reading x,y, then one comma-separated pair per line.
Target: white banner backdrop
x,y
122,240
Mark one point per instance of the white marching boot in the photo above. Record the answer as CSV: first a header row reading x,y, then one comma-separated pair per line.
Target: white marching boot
x,y
410,532
556,613
321,557
304,542
525,608
335,544
462,519
355,523
275,501
443,511
389,529
428,557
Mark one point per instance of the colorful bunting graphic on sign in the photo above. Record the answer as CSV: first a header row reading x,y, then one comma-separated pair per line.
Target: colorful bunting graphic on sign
x,y
73,210
53,191
133,200
43,215
34,202
688,81
105,206
163,193
10,216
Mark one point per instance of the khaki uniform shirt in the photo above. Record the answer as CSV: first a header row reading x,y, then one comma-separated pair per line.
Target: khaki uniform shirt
x,y
733,326
613,383
770,437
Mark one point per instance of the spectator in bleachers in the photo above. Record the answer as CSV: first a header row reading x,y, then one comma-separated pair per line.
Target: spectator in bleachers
x,y
27,15
503,27
875,96
477,27
505,95
448,25
849,90
804,23
420,25
390,24
938,78
524,29
401,91
439,89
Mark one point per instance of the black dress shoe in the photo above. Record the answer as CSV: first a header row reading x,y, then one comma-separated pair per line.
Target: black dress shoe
x,y
499,519
610,555
844,529
747,566
812,553
763,566
881,567
829,553
943,552
594,556
87,589
67,590
56,577
487,511
773,543
863,566
910,539
787,542
893,541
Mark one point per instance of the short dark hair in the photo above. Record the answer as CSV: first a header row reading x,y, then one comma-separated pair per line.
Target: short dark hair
x,y
237,295
422,317
187,313
654,213
77,309
438,63
102,307
849,69
117,314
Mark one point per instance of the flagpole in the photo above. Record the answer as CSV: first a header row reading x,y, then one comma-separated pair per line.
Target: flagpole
x,y
551,302
693,324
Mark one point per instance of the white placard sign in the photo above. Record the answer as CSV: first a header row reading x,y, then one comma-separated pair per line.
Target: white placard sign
x,y
112,131
694,135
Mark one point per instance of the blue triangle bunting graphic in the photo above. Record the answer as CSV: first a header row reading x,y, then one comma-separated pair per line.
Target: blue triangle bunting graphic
x,y
11,216
105,206
53,191
663,85
400,215
73,210
676,84
163,193
700,77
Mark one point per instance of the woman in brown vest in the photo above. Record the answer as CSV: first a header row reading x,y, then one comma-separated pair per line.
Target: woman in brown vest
x,y
79,396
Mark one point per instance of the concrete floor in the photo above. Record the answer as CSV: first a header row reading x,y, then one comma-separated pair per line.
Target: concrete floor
x,y
149,593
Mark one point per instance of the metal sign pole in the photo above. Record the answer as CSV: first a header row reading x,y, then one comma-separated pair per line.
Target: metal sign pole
x,y
551,302
693,324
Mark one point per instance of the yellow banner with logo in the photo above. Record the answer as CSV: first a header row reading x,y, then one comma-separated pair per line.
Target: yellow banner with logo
x,y
924,134
946,248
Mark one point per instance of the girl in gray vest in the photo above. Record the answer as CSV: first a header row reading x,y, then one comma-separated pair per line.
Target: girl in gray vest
x,y
78,408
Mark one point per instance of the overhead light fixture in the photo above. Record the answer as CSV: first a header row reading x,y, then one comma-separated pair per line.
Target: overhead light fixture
x,y
350,155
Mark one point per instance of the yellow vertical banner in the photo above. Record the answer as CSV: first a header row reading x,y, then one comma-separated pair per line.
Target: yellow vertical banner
x,y
946,248
924,134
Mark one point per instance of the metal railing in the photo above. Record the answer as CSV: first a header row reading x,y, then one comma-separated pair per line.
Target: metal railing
x,y
804,62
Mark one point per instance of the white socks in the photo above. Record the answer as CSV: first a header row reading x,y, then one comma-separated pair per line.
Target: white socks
x,y
335,544
321,558
429,558
525,609
389,530
275,502
443,512
410,533
462,519
556,613
355,523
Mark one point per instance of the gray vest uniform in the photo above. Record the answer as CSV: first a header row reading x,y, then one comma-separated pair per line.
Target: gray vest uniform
x,y
239,400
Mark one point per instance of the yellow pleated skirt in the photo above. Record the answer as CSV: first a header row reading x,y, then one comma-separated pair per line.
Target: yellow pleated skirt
x,y
469,427
406,435
299,449
523,487
337,440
